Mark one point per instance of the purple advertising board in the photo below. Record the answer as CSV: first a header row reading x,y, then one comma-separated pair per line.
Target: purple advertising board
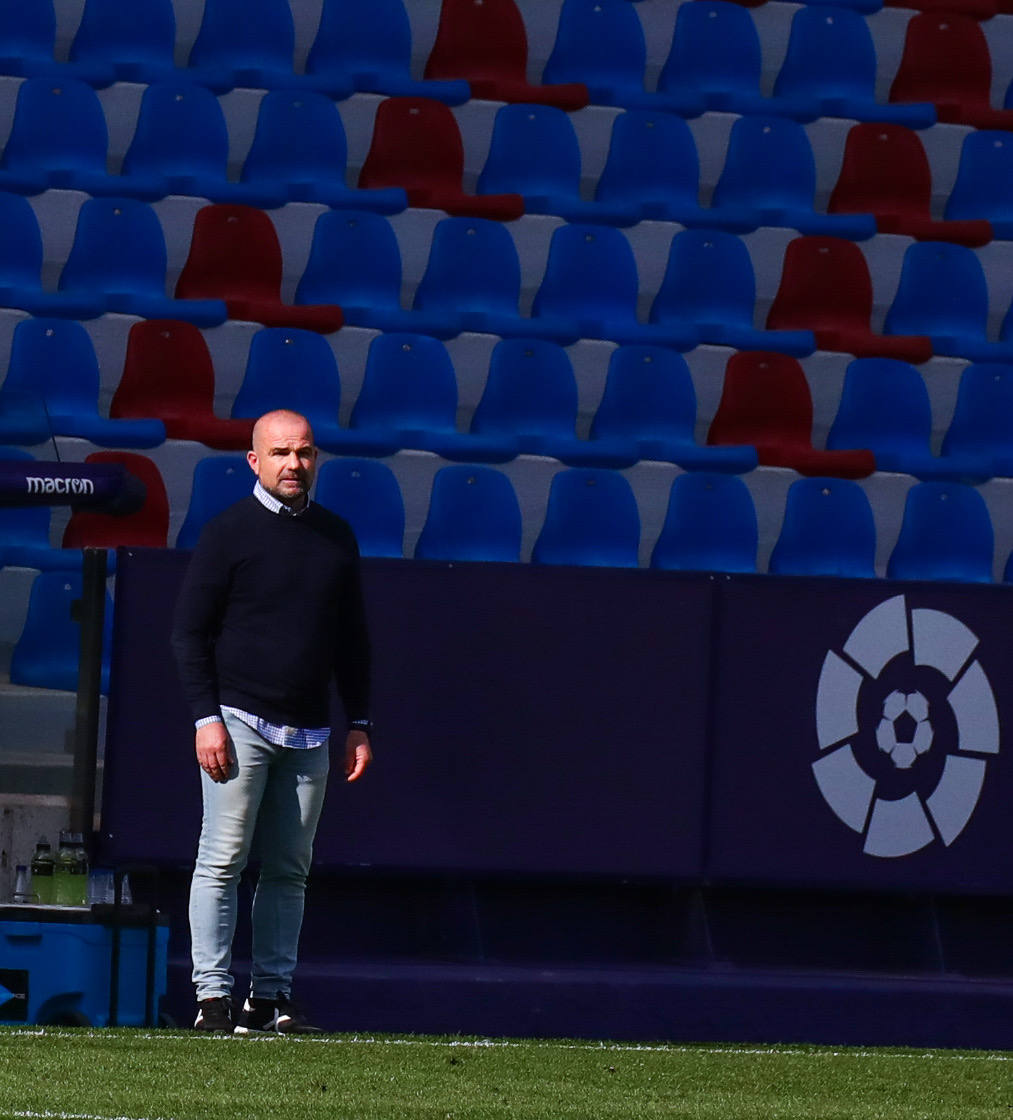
x,y
528,719
857,734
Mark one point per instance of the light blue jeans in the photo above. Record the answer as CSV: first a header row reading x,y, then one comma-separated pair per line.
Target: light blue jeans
x,y
273,797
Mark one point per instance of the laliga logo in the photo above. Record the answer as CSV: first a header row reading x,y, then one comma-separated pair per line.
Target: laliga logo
x,y
906,721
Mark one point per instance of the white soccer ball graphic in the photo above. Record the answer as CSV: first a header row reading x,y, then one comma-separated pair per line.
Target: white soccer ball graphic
x,y
904,739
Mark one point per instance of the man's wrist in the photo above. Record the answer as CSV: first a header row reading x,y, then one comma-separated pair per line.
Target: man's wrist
x,y
363,725
198,724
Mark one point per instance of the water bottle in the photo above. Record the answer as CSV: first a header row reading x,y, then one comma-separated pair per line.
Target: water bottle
x,y
22,887
79,872
65,872
42,874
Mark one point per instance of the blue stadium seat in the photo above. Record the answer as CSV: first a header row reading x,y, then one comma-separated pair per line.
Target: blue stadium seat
x,y
245,43
710,525
355,262
473,515
368,47
366,494
181,146
55,359
715,53
299,153
709,284
218,482
982,186
23,418
648,411
47,654
831,64
119,254
982,426
58,138
472,281
943,293
27,38
534,152
885,407
591,287
946,534
24,531
828,530
769,179
652,166
601,43
591,520
121,41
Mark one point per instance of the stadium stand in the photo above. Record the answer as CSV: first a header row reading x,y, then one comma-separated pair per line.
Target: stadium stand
x,y
591,519
946,534
147,527
710,525
828,530
117,42
473,515
366,494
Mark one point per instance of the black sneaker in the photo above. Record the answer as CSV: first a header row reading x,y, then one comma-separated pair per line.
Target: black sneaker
x,y
214,1015
279,1015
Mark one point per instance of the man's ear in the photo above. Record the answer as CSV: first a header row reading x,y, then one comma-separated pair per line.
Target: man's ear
x,y
251,459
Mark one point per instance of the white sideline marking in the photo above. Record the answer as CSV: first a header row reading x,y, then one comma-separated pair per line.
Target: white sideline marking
x,y
69,1116
510,1044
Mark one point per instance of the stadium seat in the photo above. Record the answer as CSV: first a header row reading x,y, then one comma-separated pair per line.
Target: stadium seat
x,y
826,288
119,255
769,179
147,527
828,530
118,41
831,64
245,43
648,411
472,281
409,397
947,60
885,171
710,526
534,153
47,654
23,418
21,267
709,283
27,39
218,482
168,374
366,494
885,406
235,256
601,44
486,44
58,139
766,403
416,145
296,369
942,292
24,530
946,534
982,187
368,47
473,515
982,424
181,146
716,54
55,359
591,288
591,520
299,154
355,262
653,168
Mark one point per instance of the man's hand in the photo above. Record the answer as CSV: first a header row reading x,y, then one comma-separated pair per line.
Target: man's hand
x,y
358,755
213,751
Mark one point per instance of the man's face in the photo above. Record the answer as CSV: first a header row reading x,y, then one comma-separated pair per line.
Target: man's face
x,y
284,458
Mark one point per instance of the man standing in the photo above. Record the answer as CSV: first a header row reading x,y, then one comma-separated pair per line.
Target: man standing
x,y
269,614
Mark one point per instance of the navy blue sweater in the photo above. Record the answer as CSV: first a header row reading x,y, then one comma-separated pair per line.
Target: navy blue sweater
x,y
269,613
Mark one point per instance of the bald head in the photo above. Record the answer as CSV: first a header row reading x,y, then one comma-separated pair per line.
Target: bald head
x,y
284,456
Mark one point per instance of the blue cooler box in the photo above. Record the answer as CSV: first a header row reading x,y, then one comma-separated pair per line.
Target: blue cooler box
x,y
56,965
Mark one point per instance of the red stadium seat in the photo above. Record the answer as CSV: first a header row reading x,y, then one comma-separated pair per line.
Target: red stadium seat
x,y
417,145
766,402
168,374
826,288
235,254
148,527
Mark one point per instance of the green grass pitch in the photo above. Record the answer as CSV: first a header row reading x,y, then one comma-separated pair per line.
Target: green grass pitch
x,y
50,1073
